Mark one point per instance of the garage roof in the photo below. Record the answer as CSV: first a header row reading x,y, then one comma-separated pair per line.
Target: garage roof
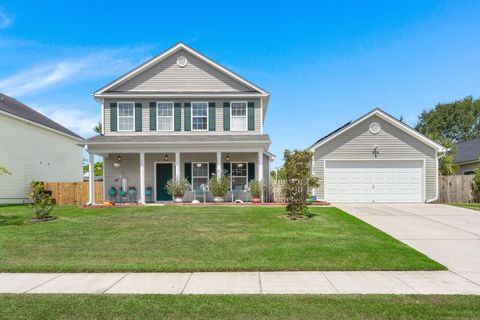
x,y
387,117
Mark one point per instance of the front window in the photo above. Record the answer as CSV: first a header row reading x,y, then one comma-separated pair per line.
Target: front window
x,y
239,175
238,116
126,115
199,116
164,116
199,174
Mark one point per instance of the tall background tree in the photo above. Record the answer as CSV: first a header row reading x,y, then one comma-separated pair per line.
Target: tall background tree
x,y
457,121
98,128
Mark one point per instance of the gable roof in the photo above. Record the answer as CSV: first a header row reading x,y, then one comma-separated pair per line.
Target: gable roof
x,y
162,56
388,118
19,110
467,151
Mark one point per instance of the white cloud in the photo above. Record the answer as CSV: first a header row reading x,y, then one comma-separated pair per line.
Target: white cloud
x,y
75,118
5,19
107,62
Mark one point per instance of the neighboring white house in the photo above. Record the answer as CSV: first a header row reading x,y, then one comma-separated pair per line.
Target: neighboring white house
x,y
376,159
34,147
180,114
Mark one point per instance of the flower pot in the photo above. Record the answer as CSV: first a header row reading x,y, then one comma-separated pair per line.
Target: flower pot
x,y
178,200
256,199
218,199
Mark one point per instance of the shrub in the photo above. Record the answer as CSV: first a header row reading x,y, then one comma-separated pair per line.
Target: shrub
x,y
219,186
255,188
176,188
42,201
298,181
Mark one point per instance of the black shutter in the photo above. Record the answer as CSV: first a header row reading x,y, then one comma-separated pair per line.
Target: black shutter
x,y
212,169
153,116
226,168
187,116
251,171
251,116
177,109
188,172
226,116
212,123
113,116
138,116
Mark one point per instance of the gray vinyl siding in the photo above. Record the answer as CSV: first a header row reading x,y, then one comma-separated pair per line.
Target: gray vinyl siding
x,y
130,167
358,142
146,117
467,167
196,76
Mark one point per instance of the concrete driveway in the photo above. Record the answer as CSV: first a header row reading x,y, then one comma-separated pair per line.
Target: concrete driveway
x,y
447,234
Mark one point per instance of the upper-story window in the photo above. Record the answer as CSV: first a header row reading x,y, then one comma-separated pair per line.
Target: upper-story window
x,y
126,116
199,116
238,116
164,116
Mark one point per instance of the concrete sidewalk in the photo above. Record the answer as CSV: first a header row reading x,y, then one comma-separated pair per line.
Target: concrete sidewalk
x,y
301,282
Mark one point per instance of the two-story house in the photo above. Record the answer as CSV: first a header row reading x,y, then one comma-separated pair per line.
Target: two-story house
x,y
180,114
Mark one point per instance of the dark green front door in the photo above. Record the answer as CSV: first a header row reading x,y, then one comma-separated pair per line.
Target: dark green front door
x,y
164,173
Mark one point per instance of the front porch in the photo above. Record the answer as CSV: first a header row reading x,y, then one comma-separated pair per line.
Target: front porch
x,y
141,177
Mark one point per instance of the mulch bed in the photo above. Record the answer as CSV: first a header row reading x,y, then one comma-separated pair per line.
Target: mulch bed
x,y
250,204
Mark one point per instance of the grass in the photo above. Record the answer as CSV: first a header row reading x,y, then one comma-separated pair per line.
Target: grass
x,y
238,307
473,206
203,238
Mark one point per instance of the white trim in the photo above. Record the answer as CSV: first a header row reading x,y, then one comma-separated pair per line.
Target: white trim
x,y
467,162
388,119
261,116
39,125
103,118
423,174
118,116
155,178
103,180
149,94
191,116
246,116
172,116
166,54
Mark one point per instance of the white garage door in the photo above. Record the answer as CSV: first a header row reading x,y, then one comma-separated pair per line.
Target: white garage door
x,y
373,181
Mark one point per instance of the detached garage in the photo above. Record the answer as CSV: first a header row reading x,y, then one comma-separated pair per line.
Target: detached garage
x,y
376,159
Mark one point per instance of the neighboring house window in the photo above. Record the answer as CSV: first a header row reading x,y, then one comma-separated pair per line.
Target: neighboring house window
x,y
239,175
126,116
469,172
199,116
165,116
238,116
199,174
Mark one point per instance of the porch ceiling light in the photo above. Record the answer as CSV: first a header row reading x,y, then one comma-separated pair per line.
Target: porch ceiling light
x,y
166,157
198,165
240,165
227,158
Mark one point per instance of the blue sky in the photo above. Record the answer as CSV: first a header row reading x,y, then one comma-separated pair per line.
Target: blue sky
x,y
324,62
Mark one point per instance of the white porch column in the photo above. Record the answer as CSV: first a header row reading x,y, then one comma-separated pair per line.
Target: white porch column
x,y
219,164
142,177
177,165
260,168
91,179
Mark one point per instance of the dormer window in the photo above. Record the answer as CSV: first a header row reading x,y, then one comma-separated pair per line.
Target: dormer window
x,y
165,116
126,116
199,116
238,112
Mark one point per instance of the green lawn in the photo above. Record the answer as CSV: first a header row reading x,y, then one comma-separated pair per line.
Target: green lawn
x,y
203,238
474,206
238,307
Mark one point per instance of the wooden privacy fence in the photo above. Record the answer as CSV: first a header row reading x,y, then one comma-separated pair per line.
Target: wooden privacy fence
x,y
456,189
74,193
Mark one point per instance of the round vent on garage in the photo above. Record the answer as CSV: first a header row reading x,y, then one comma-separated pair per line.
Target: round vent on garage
x,y
374,127
182,61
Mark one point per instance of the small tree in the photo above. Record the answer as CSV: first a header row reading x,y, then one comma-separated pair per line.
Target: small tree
x,y
219,186
476,183
176,188
42,201
98,128
299,181
446,164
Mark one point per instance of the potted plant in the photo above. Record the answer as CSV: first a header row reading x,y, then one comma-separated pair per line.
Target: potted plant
x,y
255,188
176,188
219,186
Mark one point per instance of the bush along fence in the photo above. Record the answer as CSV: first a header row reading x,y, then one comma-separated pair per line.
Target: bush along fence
x,y
73,193
457,188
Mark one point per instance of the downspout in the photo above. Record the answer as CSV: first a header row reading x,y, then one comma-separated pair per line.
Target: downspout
x,y
437,159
